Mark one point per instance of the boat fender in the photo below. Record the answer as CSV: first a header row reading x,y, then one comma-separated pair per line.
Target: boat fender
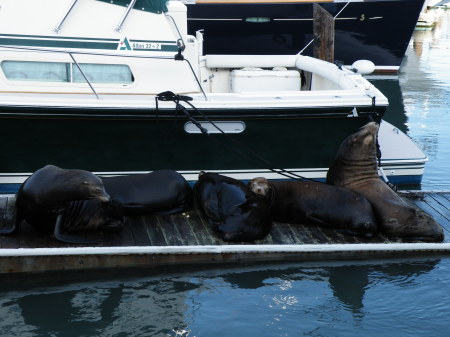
x,y
363,67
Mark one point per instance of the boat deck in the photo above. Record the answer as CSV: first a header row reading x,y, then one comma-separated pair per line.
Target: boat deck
x,y
187,238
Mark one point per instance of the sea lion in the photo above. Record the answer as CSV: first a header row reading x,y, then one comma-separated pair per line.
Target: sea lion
x,y
92,214
235,213
158,192
45,194
355,168
309,202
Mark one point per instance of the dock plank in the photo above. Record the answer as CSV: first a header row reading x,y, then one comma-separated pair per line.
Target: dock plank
x,y
118,239
433,208
152,229
301,233
7,213
199,228
187,235
318,234
140,228
169,230
443,204
283,234
268,240
446,196
29,237
307,235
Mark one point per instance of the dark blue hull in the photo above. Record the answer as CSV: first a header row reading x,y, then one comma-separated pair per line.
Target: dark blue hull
x,y
376,30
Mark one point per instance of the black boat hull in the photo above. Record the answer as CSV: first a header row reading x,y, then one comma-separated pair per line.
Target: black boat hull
x,y
377,30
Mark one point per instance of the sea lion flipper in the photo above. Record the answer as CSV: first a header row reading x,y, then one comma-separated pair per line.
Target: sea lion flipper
x,y
66,237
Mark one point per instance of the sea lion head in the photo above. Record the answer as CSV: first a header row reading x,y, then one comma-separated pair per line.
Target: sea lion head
x,y
260,186
92,187
360,145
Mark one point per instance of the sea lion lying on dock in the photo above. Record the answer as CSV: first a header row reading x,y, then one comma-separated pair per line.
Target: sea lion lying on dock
x,y
235,213
309,202
45,194
158,192
355,168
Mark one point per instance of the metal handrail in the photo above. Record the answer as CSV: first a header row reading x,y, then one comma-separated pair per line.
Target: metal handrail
x,y
57,28
124,16
85,77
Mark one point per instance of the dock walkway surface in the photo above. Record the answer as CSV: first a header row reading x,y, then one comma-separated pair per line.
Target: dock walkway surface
x,y
148,241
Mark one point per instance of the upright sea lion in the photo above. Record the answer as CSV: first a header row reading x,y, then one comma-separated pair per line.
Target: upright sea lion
x,y
158,192
309,202
45,194
235,213
355,168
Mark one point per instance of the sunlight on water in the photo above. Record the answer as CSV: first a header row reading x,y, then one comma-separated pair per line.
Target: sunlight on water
x,y
425,85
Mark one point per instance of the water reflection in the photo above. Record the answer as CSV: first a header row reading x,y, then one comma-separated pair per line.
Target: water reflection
x,y
395,113
265,298
419,99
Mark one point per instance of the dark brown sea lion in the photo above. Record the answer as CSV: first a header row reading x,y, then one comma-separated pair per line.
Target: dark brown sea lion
x,y
158,192
88,215
235,213
45,194
355,168
309,202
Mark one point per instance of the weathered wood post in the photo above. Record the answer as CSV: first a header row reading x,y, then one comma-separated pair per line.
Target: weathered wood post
x,y
323,32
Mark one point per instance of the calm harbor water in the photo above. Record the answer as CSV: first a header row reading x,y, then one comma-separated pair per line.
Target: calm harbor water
x,y
420,100
341,298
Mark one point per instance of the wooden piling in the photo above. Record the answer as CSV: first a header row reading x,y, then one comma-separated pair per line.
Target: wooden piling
x,y
323,32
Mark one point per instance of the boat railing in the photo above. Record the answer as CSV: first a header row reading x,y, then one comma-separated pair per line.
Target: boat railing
x,y
125,15
327,70
57,28
84,75
180,36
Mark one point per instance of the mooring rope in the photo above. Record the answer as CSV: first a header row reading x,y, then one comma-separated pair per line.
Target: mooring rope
x,y
260,160
377,119
252,155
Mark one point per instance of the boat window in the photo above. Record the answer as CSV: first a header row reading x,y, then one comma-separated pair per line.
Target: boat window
x,y
36,71
103,73
66,72
216,127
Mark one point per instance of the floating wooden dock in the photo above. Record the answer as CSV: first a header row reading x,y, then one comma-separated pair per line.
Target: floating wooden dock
x,y
149,241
